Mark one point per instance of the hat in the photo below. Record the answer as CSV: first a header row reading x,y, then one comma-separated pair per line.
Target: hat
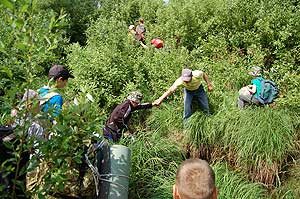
x,y
131,27
57,71
255,71
186,75
135,96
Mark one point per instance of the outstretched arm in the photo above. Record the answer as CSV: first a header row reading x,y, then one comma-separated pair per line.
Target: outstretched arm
x,y
209,84
165,95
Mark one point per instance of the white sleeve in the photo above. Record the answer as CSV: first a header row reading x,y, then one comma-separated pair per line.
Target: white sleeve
x,y
176,84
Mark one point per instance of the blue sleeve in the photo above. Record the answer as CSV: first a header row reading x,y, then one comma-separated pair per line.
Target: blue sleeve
x,y
56,102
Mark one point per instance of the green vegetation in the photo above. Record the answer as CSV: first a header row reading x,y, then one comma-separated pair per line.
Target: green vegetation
x,y
255,152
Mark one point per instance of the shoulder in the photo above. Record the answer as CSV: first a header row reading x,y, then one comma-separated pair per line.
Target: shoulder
x,y
44,90
123,105
197,73
178,82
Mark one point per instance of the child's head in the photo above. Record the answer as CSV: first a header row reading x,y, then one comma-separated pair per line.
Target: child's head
x,y
60,74
195,179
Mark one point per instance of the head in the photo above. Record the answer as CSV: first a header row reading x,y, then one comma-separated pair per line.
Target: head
x,y
255,71
135,98
141,20
60,74
195,179
186,75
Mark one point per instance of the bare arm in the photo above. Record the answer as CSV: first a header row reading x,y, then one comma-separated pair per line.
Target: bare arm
x,y
209,84
165,95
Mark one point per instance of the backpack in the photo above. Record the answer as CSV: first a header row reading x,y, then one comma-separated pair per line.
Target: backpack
x,y
30,95
157,43
269,91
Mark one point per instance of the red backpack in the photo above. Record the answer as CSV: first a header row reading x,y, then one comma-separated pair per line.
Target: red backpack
x,y
157,43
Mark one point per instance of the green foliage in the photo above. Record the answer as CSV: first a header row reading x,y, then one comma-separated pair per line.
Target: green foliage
x,y
63,151
153,166
233,184
166,120
222,38
290,187
30,42
79,12
269,136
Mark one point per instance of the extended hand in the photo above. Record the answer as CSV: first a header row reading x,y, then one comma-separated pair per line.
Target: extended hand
x,y
156,102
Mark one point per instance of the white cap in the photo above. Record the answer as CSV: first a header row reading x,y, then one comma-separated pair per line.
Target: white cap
x,y
131,27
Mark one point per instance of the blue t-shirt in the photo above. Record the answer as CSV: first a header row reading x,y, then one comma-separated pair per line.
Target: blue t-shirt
x,y
54,103
256,82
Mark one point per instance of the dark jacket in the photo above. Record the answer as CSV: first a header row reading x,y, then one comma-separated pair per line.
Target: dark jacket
x,y
119,119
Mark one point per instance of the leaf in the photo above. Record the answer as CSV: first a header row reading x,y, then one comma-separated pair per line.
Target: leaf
x,y
24,8
8,4
21,46
90,97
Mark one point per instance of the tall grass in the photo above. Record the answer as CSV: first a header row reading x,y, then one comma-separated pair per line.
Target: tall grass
x,y
154,162
235,185
259,140
290,187
167,119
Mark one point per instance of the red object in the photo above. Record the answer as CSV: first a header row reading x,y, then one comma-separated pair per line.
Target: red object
x,y
157,43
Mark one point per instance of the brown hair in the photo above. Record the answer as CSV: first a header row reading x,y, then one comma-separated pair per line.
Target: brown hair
x,y
195,179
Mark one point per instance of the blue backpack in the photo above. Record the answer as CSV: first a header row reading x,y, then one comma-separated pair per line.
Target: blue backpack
x,y
269,91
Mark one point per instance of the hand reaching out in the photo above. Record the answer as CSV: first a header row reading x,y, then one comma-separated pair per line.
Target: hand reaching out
x,y
156,103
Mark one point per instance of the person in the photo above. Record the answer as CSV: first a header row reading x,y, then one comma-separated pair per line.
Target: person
x,y
193,88
195,179
133,36
249,94
140,28
119,118
50,103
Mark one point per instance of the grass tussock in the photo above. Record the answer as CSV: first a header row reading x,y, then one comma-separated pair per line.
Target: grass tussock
x,y
233,184
166,120
259,140
153,166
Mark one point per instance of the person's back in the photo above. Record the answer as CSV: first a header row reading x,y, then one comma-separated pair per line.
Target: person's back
x,y
195,179
120,116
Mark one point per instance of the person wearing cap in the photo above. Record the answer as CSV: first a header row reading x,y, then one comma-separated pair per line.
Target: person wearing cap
x,y
193,88
58,76
118,120
253,90
195,179
50,101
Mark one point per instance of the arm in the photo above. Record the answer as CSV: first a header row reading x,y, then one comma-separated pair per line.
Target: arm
x,y
142,44
209,84
165,95
144,106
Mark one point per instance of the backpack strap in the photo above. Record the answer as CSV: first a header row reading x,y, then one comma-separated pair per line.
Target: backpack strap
x,y
43,100
262,84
